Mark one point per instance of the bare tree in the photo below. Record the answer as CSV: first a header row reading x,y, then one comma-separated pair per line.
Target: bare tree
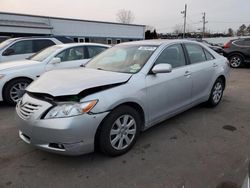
x,y
125,16
149,28
248,30
242,30
178,29
230,32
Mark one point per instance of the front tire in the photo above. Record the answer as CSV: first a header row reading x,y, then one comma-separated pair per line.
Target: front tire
x,y
14,90
119,131
216,93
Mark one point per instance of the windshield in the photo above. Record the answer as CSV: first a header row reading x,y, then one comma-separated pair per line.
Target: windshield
x,y
126,59
42,55
6,43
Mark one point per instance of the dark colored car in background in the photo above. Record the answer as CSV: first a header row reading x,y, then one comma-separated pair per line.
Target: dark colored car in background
x,y
218,49
238,52
214,47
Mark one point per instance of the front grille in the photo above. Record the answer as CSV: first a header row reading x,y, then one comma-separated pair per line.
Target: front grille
x,y
26,110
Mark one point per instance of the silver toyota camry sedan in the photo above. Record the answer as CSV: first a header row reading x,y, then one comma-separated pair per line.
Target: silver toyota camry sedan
x,y
121,92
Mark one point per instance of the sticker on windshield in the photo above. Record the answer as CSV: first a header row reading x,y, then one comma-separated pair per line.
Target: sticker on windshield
x,y
147,48
135,68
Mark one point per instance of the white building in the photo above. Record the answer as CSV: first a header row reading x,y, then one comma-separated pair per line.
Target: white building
x,y
16,25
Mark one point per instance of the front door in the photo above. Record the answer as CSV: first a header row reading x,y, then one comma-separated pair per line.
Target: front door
x,y
18,51
168,93
70,58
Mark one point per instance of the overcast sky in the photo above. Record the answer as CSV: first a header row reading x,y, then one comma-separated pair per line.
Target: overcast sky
x,y
164,15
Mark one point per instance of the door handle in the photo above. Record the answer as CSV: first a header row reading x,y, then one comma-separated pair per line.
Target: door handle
x,y
187,73
215,65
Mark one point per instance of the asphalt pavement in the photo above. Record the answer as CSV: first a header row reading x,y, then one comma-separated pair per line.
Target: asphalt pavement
x,y
200,148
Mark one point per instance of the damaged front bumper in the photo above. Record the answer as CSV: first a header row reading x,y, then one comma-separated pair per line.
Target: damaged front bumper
x,y
69,136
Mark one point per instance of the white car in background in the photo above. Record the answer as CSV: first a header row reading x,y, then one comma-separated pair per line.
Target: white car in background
x,y
15,76
23,47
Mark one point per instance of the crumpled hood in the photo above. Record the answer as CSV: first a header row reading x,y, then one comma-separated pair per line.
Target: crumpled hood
x,y
17,64
73,81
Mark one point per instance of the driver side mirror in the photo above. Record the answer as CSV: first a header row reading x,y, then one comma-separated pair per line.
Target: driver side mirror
x,y
162,68
55,60
9,52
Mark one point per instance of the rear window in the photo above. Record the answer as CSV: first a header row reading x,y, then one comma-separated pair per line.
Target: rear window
x,y
65,40
208,55
195,53
247,42
41,44
239,42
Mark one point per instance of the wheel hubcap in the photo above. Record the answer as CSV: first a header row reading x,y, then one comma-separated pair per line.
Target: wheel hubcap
x,y
123,132
17,91
217,92
235,61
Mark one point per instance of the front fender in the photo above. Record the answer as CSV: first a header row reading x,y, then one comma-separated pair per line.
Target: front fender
x,y
133,91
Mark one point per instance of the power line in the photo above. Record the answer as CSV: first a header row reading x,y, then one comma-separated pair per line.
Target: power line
x,y
191,22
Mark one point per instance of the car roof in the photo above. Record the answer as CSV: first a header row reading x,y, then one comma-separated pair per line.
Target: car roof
x,y
38,37
157,42
81,44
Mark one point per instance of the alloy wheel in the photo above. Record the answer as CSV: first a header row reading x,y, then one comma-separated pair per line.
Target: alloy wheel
x,y
123,132
17,91
235,61
217,92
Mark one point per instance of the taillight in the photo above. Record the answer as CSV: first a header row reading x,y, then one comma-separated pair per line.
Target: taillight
x,y
227,45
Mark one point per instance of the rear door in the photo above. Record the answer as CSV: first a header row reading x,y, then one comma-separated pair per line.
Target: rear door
x,y
202,68
241,46
168,93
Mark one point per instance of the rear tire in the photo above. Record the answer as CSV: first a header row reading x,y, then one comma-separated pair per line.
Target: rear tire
x,y
236,60
14,90
119,131
216,93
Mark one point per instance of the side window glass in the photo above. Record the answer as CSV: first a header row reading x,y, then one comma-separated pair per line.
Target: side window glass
x,y
41,44
195,53
172,55
247,42
72,54
239,42
95,50
63,55
22,47
208,55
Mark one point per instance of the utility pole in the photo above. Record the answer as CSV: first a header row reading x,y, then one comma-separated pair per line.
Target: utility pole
x,y
185,20
204,24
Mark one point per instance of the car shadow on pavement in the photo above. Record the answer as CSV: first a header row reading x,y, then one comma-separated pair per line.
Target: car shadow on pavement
x,y
4,105
142,143
246,66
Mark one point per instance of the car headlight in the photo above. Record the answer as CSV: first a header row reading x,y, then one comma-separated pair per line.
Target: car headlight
x,y
1,76
63,110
